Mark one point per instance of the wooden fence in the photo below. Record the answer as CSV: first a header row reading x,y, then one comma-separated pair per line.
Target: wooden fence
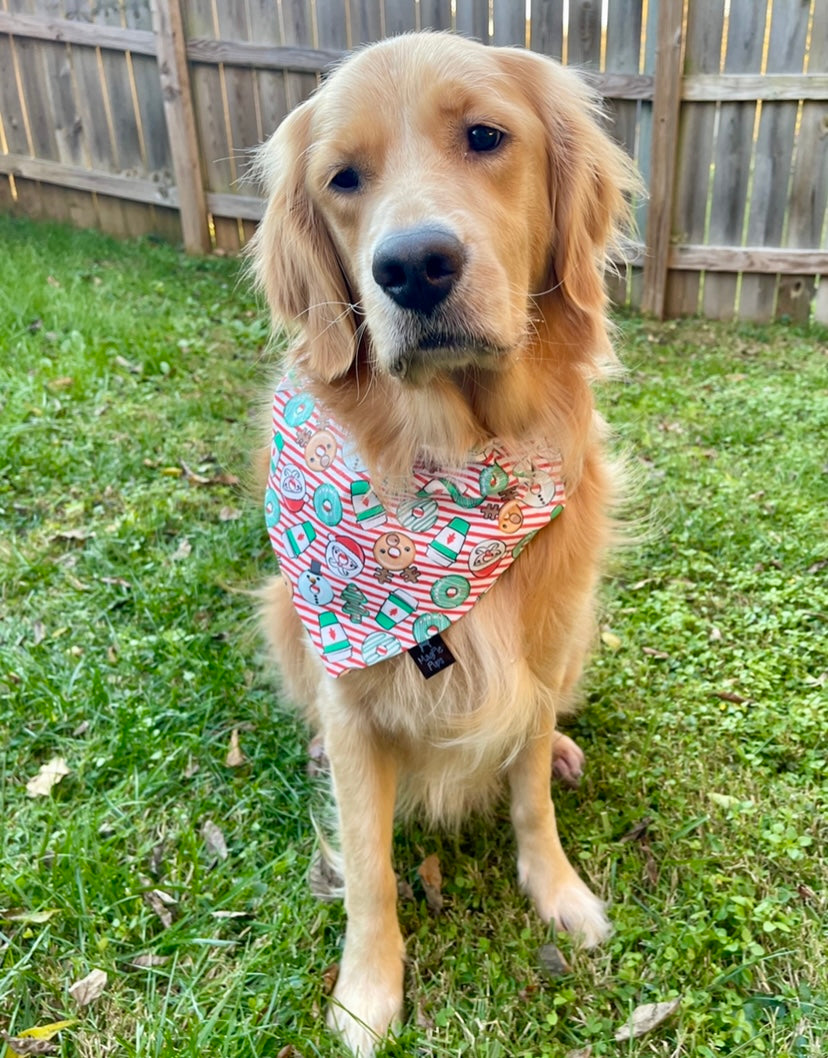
x,y
138,116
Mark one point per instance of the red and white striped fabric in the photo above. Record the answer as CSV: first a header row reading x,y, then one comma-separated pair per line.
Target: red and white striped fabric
x,y
371,581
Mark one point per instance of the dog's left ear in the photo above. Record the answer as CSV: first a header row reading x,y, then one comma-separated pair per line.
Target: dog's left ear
x,y
589,177
294,258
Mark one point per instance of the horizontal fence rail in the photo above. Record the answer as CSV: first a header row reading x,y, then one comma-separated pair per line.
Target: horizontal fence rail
x,y
139,116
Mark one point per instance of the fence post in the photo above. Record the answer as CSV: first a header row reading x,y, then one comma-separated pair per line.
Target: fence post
x,y
666,105
168,27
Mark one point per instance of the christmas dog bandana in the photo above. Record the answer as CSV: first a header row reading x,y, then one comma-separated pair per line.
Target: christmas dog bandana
x,y
371,581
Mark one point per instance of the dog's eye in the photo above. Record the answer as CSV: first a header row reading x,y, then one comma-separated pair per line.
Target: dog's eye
x,y
484,137
346,179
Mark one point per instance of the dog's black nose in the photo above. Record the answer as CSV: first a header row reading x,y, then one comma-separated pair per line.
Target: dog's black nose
x,y
418,267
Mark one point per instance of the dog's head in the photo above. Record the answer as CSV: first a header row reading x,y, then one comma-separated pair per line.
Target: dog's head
x,y
430,202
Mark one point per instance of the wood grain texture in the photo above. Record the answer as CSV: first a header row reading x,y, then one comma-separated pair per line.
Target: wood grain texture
x,y
664,146
181,124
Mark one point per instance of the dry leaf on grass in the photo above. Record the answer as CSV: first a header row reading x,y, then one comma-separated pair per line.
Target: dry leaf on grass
x,y
229,514
49,774
161,902
31,918
235,758
289,1052
214,839
147,961
646,1017
552,962
22,1046
581,1052
432,879
89,988
183,550
36,1039
329,978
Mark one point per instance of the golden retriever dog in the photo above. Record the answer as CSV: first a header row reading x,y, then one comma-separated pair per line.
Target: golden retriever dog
x,y
438,219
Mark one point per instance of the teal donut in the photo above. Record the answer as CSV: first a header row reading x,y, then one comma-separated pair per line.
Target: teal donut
x,y
450,591
379,646
273,511
298,409
328,506
493,480
428,625
521,544
418,514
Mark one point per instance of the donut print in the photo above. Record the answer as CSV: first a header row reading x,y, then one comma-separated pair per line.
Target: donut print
x,y
450,591
418,514
327,504
298,409
379,646
428,625
273,509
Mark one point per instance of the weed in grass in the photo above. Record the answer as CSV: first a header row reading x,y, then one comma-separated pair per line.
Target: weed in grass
x,y
128,648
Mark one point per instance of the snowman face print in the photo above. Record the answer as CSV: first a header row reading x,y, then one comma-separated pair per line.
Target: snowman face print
x,y
313,587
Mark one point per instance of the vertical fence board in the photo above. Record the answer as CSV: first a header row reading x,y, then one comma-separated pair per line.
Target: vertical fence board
x,y
472,19
623,56
55,135
149,109
809,180
14,129
271,97
98,148
772,158
508,22
366,21
435,14
732,155
179,112
546,28
243,131
297,27
705,19
400,16
209,101
584,37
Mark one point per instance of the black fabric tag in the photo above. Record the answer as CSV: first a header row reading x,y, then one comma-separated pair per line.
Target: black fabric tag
x,y
432,656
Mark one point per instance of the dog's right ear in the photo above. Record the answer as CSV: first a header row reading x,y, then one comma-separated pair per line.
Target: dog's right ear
x,y
294,259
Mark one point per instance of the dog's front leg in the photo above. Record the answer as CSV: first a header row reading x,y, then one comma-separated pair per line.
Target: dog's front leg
x,y
544,871
369,990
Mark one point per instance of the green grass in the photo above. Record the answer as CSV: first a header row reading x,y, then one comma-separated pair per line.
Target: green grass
x,y
128,647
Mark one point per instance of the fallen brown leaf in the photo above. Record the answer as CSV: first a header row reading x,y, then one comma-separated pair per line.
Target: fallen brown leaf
x,y
49,774
214,839
647,1017
229,514
432,879
552,962
160,902
729,696
235,758
89,988
580,1052
147,961
22,1046
22,914
329,978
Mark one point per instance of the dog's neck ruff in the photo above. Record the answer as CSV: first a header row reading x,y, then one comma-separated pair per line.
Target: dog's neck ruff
x,y
370,581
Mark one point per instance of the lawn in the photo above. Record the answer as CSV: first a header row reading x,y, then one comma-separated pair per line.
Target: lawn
x,y
174,853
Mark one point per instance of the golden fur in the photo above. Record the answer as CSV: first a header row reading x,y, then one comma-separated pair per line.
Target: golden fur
x,y
524,335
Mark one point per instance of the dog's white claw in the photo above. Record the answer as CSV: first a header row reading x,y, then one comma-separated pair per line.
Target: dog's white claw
x,y
365,1006
567,760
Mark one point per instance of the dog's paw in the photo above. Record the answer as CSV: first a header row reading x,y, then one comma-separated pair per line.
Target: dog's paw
x,y
567,760
366,1004
561,897
574,908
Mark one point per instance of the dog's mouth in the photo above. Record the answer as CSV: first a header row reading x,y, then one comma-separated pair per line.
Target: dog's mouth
x,y
435,350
